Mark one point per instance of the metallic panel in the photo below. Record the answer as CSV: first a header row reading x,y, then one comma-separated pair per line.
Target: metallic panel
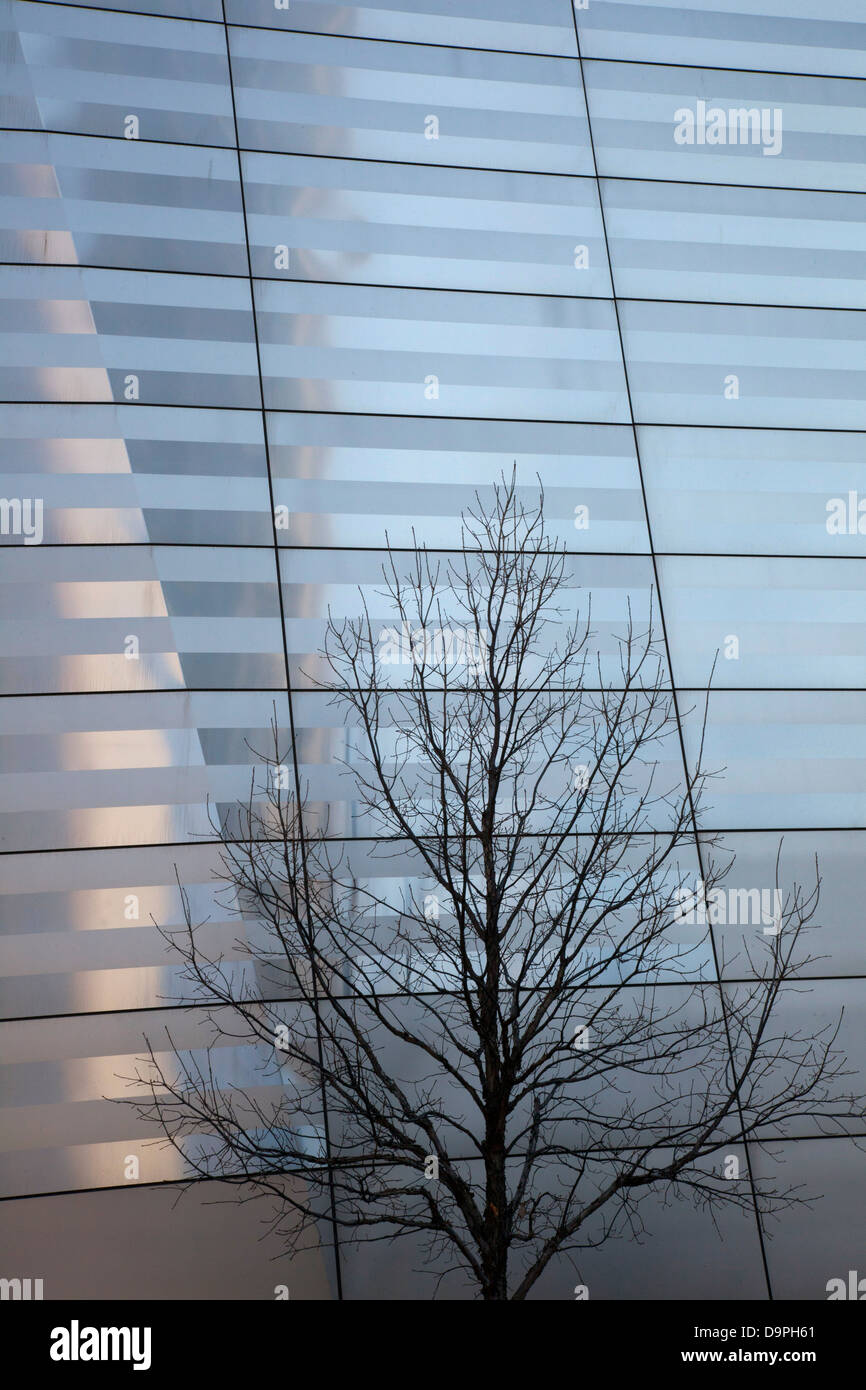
x,y
123,474
343,583
798,623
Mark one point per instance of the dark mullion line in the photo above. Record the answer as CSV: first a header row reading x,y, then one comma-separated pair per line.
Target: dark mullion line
x,y
853,1137
286,549
463,48
713,67
416,163
708,831
313,690
423,289
192,1006
685,760
419,164
304,690
276,551
473,419
392,414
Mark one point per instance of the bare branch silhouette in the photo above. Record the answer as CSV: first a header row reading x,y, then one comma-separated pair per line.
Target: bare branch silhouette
x,y
506,1056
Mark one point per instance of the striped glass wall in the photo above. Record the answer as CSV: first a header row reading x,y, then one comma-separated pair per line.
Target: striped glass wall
x,y
238,241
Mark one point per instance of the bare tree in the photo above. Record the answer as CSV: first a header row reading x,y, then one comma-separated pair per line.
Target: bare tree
x,y
504,1057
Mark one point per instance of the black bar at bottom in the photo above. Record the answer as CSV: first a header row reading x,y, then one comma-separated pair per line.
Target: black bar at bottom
x,y
250,1339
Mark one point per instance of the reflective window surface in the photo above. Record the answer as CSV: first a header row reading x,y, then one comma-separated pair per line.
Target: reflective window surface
x,y
773,35
73,200
132,473
735,245
713,364
766,622
398,352
76,618
103,335
283,285
352,479
390,224
807,132
545,27
309,94
741,491
90,70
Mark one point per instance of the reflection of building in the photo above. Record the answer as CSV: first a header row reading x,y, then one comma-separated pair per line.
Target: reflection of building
x,y
404,281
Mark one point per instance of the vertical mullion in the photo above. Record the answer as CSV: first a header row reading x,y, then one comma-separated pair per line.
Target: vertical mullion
x,y
657,586
276,550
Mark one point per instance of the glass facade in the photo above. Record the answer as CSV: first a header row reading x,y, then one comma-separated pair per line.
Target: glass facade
x,y
278,280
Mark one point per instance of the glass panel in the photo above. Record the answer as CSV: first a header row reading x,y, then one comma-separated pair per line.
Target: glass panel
x,y
348,479
389,351
765,622
773,35
110,475
726,127
709,364
787,492
546,28
90,770
101,72
740,245
102,335
73,618
307,94
67,200
388,224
